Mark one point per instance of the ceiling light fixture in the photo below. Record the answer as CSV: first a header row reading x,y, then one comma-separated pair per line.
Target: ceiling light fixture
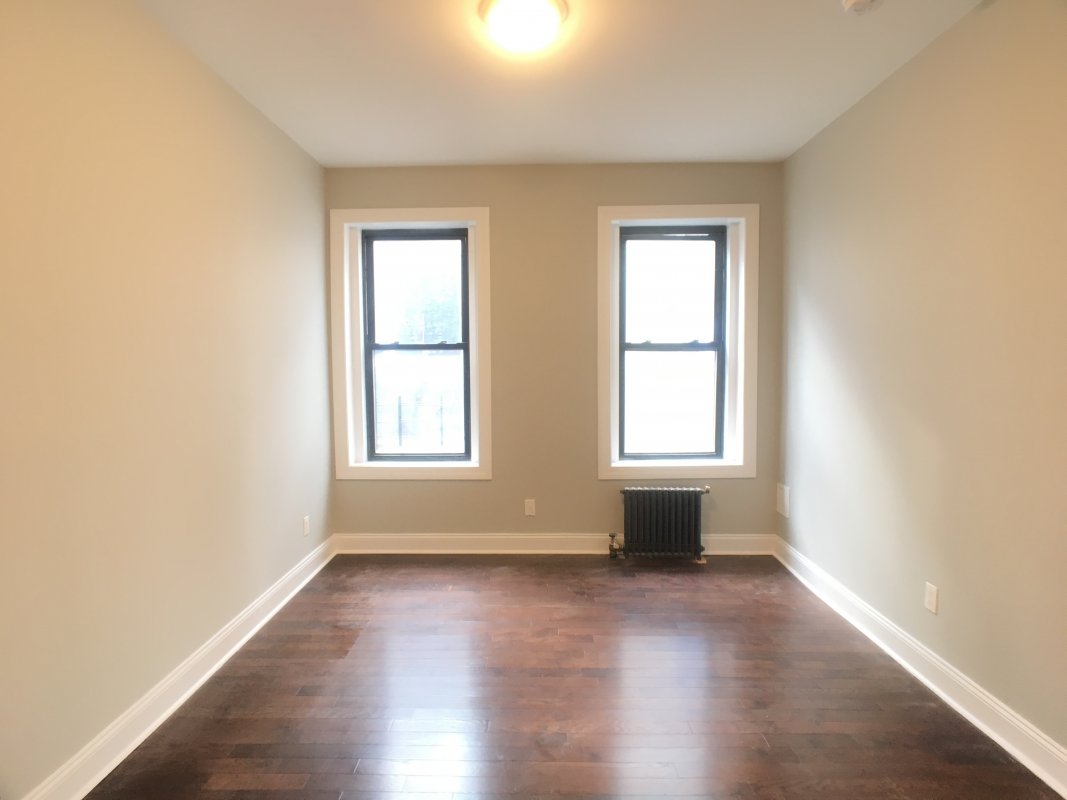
x,y
523,26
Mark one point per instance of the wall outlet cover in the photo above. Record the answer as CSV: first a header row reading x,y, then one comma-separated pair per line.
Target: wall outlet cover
x,y
783,500
931,598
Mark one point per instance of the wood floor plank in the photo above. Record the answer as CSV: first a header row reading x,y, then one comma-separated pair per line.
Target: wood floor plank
x,y
469,678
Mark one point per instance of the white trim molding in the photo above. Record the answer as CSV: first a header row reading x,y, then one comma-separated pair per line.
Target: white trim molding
x,y
742,329
472,543
1034,749
528,543
346,343
740,544
92,763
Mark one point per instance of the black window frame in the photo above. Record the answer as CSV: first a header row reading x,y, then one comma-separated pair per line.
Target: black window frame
x,y
368,236
718,234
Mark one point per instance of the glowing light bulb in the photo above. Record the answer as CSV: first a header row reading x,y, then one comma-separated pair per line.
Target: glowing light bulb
x,y
524,26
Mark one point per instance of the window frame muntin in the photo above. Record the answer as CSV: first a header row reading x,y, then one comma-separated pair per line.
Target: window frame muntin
x,y
650,232
368,236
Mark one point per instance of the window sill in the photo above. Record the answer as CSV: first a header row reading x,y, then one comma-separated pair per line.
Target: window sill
x,y
415,471
621,470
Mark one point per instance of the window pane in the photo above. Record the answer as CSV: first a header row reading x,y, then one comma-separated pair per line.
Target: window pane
x,y
670,402
670,290
418,291
418,402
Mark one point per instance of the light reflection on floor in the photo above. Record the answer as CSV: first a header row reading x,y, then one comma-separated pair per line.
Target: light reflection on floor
x,y
437,737
657,667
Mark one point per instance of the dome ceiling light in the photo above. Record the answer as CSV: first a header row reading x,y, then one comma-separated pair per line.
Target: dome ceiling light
x,y
523,27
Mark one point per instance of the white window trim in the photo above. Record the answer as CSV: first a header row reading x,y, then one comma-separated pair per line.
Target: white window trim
x,y
739,454
346,349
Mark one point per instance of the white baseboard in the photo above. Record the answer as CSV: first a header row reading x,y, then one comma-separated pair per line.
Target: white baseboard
x,y
1033,748
92,763
741,544
473,543
1038,752
528,543
97,758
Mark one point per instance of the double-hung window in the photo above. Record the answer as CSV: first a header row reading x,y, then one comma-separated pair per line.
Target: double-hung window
x,y
677,341
410,292
416,347
672,359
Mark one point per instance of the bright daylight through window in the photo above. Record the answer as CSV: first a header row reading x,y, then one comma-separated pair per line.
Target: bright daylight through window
x,y
415,344
677,341
671,324
410,293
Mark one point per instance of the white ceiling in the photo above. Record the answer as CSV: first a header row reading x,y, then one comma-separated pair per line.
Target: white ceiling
x,y
404,82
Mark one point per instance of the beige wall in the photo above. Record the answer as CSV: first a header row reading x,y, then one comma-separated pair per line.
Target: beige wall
x,y
543,223
164,419
162,341
926,369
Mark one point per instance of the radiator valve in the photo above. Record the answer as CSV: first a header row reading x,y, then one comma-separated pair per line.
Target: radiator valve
x,y
613,546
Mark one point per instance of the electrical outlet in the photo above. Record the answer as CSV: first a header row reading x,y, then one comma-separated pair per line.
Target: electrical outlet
x,y
783,500
931,598
530,508
307,525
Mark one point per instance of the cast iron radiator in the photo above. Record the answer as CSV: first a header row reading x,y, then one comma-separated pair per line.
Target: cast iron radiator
x,y
662,521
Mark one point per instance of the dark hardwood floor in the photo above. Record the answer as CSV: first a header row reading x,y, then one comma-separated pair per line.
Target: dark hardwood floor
x,y
525,677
